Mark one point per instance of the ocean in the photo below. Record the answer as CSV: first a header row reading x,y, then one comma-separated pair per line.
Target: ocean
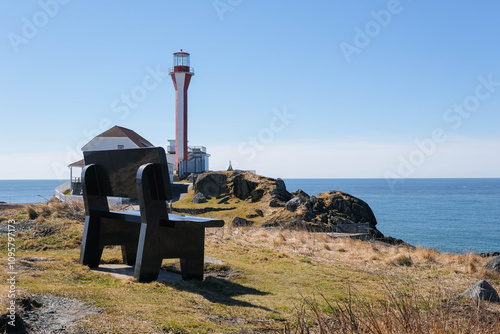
x,y
28,191
451,215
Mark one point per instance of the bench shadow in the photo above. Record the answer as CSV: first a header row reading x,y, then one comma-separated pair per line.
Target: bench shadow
x,y
219,290
214,288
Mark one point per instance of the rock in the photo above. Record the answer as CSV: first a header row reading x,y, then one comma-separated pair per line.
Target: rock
x,y
211,184
308,216
280,185
199,198
326,212
279,193
493,264
213,260
482,290
253,213
223,200
192,177
294,203
489,254
301,194
274,203
339,205
257,194
242,222
199,211
333,211
242,188
394,242
242,185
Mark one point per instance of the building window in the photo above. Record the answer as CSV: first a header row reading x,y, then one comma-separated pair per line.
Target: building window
x,y
121,147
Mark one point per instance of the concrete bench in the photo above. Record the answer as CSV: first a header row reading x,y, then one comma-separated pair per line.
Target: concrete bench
x,y
146,236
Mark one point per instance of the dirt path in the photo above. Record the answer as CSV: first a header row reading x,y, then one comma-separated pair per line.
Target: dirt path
x,y
49,314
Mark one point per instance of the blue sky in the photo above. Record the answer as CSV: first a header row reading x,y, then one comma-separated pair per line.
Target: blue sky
x,y
289,88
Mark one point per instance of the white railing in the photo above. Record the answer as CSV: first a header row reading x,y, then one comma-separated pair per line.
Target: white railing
x,y
66,198
195,149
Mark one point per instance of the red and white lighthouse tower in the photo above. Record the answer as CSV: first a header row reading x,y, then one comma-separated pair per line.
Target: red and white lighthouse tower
x,y
181,76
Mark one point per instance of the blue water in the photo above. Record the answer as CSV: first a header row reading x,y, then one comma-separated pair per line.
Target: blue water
x,y
27,191
453,215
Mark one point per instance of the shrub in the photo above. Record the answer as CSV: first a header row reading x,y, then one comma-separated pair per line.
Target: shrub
x,y
32,214
403,260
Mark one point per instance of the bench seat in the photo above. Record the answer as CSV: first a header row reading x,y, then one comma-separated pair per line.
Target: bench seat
x,y
174,220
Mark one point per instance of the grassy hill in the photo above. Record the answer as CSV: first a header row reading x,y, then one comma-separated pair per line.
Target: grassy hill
x,y
274,281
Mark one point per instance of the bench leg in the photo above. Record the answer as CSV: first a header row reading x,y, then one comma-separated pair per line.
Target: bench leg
x,y
193,261
192,267
91,253
129,253
148,260
147,270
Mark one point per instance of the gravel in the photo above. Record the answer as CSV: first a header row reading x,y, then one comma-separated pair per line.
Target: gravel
x,y
23,226
50,314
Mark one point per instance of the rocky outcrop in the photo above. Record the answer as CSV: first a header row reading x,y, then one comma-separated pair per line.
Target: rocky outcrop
x,y
242,185
332,211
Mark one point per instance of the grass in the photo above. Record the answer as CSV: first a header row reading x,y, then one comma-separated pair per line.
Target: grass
x,y
276,281
399,311
241,209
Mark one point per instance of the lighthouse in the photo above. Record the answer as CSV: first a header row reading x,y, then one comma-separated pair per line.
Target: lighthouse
x,y
181,74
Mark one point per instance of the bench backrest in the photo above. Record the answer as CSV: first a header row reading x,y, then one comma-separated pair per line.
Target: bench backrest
x,y
117,170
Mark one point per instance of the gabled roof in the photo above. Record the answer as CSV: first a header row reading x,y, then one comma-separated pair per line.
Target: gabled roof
x,y
118,131
78,163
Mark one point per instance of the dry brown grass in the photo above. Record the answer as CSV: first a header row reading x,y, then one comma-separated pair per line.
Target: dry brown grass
x,y
274,280
321,248
398,311
416,291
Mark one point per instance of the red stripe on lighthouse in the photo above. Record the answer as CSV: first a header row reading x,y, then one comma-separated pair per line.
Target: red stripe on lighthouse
x,y
186,85
176,120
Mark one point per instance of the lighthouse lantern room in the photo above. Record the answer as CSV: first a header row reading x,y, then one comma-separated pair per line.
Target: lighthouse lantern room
x,y
181,62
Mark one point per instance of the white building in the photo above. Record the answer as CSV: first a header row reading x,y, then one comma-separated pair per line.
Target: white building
x,y
196,162
116,138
